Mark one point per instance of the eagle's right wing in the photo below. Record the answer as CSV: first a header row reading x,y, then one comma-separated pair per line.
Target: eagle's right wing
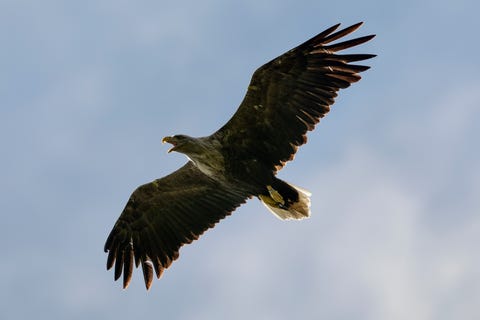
x,y
163,215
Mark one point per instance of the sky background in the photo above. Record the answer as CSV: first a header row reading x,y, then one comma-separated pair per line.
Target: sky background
x,y
89,88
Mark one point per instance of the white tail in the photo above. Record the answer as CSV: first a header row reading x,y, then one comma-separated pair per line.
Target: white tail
x,y
295,211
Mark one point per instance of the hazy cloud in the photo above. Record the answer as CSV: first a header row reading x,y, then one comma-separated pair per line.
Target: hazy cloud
x,y
88,90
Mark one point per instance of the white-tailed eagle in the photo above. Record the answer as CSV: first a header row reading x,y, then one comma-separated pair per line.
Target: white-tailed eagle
x,y
285,99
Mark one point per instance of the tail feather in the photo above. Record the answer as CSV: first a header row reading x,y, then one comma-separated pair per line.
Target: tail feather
x,y
283,207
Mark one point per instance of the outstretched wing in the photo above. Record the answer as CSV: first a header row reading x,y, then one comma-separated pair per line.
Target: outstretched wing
x,y
288,95
163,215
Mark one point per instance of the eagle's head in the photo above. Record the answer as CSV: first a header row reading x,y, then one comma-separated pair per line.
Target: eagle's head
x,y
183,144
204,152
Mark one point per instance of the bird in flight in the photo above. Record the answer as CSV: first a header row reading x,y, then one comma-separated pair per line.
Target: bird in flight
x,y
285,99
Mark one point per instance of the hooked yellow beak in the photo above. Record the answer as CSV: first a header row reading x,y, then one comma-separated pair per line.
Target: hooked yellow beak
x,y
170,140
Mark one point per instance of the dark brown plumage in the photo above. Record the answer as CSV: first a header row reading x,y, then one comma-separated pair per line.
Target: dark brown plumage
x,y
159,218
286,98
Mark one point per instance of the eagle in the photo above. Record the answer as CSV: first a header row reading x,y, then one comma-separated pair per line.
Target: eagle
x,y
285,99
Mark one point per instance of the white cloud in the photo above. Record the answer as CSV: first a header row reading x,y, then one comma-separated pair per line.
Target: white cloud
x,y
381,241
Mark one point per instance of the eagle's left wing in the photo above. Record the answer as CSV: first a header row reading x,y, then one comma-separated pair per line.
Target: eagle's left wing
x,y
288,95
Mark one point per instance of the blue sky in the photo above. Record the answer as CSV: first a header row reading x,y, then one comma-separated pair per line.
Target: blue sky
x,y
88,89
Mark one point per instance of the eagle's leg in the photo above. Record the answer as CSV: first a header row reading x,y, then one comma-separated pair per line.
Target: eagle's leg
x,y
275,201
286,201
275,196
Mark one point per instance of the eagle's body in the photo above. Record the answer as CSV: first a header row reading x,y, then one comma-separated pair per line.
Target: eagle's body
x,y
285,99
250,176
